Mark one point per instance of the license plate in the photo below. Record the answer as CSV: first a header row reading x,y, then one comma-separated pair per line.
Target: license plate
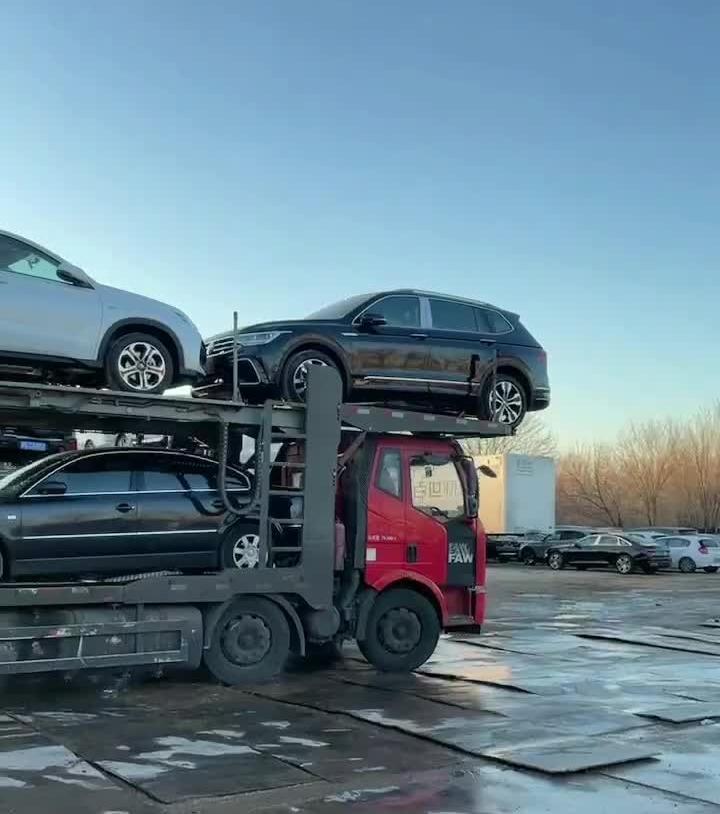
x,y
34,446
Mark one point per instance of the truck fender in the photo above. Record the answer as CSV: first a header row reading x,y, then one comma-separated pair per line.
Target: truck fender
x,y
406,579
297,632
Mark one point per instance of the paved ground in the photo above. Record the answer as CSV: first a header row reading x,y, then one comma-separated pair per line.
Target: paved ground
x,y
588,691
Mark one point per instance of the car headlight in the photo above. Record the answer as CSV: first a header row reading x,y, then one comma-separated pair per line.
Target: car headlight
x,y
259,338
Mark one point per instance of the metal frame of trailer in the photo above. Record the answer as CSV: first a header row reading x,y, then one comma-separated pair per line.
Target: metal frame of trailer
x,y
169,619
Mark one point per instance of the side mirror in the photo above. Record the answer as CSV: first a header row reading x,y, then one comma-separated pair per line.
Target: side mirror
x,y
53,487
370,321
471,484
487,471
69,274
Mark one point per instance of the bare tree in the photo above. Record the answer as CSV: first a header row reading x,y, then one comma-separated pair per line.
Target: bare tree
x,y
700,466
646,457
590,478
533,437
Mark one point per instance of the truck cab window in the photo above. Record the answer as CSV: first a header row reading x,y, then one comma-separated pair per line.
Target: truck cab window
x,y
389,473
437,490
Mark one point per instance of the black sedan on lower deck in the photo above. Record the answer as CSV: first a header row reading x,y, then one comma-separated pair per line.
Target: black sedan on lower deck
x,y
122,511
624,552
396,347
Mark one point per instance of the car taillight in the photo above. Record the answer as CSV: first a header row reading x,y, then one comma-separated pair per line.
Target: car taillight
x,y
703,548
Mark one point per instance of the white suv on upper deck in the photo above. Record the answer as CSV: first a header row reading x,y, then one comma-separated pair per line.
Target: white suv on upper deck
x,y
57,324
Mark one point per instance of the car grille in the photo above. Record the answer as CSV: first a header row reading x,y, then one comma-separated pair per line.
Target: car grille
x,y
221,346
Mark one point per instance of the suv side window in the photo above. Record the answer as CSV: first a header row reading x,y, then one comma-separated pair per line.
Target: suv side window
x,y
19,258
491,322
388,476
92,475
399,311
452,316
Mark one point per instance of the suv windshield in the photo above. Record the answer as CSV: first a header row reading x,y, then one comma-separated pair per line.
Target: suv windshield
x,y
340,309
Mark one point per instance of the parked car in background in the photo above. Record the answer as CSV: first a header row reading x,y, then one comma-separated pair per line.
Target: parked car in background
x,y
20,446
122,511
663,530
624,552
58,325
403,346
689,552
535,550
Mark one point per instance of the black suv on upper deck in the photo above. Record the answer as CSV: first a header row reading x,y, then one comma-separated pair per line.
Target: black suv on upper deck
x,y
404,346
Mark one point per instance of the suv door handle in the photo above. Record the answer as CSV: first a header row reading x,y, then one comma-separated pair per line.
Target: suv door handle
x,y
124,508
419,336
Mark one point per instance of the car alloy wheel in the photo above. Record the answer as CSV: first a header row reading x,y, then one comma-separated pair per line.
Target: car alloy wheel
x,y
506,402
624,564
300,376
555,561
687,565
141,366
246,551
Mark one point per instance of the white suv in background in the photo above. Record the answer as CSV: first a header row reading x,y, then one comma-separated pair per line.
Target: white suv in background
x,y
58,325
692,551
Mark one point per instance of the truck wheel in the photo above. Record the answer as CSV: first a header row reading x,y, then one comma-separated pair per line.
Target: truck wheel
x,y
251,642
402,632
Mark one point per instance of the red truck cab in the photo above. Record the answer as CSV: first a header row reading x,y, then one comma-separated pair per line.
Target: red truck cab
x,y
409,508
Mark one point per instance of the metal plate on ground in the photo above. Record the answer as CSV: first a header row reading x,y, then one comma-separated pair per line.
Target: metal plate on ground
x,y
573,754
496,790
683,713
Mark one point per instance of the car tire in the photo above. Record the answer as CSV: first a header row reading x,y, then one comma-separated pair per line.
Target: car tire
x,y
139,363
240,547
556,561
250,642
624,564
687,565
509,404
402,631
293,380
710,569
528,556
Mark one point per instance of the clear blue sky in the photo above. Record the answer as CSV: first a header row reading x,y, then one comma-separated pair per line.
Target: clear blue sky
x,y
560,159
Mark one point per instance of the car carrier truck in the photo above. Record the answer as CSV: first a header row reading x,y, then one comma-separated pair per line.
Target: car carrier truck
x,y
351,544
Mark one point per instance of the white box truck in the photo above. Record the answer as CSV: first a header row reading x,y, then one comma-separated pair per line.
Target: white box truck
x,y
522,496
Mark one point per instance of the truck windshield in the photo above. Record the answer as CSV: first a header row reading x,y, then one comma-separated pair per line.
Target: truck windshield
x,y
437,490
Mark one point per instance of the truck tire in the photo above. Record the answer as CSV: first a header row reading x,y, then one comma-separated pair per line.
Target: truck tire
x,y
250,642
402,631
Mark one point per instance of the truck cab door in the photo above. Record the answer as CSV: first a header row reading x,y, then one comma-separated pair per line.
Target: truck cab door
x,y
436,517
385,513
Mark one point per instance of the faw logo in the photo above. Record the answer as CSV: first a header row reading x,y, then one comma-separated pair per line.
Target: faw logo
x,y
460,553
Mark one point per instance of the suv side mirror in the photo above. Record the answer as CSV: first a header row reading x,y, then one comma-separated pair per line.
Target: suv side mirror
x,y
69,274
369,321
53,487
